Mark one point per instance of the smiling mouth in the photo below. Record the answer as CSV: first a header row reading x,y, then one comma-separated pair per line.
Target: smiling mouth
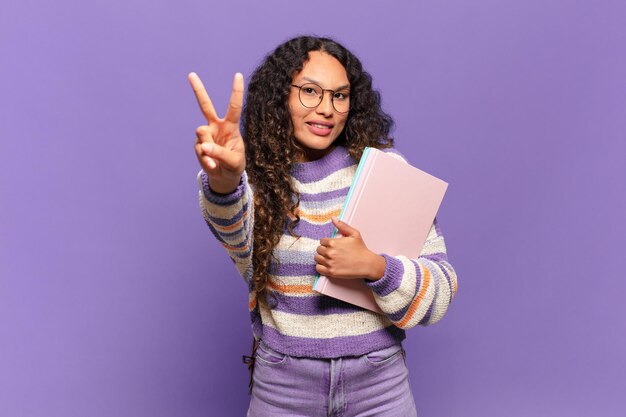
x,y
320,126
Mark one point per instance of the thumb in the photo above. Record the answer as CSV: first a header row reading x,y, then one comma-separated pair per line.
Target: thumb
x,y
344,228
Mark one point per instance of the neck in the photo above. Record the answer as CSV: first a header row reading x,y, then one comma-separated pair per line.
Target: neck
x,y
309,155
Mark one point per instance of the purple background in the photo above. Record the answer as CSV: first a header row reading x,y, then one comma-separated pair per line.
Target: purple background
x,y
116,301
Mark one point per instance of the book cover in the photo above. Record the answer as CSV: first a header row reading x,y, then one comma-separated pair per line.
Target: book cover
x,y
393,205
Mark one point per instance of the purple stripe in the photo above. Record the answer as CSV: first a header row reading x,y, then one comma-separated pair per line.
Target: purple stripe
x,y
236,232
394,270
223,199
437,228
315,305
313,231
444,270
227,222
429,312
328,195
329,348
436,257
293,269
307,172
398,315
239,245
426,317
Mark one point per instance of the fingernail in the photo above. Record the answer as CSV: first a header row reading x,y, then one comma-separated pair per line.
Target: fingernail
x,y
207,147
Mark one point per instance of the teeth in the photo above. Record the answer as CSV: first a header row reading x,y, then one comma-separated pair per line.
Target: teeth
x,y
320,126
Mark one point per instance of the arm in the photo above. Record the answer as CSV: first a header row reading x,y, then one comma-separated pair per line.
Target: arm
x,y
225,196
417,291
230,218
409,291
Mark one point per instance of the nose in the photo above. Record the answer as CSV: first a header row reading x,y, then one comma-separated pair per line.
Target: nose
x,y
326,105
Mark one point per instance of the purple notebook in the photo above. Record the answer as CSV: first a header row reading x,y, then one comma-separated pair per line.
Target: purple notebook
x,y
393,205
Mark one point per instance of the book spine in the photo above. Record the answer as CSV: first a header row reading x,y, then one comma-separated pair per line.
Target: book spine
x,y
362,181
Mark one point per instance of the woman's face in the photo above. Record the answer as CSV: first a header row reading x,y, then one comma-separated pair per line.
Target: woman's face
x,y
315,129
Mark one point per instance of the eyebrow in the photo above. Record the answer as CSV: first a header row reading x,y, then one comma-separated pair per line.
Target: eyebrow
x,y
318,83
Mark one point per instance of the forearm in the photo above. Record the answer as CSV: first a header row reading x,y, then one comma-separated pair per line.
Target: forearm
x,y
230,219
417,291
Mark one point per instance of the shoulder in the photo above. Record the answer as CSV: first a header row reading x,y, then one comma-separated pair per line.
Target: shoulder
x,y
395,153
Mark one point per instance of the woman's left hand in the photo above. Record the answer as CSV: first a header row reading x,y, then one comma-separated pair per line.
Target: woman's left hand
x,y
347,256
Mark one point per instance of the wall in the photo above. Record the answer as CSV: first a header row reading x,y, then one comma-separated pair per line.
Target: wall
x,y
116,301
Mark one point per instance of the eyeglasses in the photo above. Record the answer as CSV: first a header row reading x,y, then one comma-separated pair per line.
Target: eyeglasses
x,y
311,95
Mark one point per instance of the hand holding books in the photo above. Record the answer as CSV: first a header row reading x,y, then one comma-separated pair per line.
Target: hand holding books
x,y
390,204
347,256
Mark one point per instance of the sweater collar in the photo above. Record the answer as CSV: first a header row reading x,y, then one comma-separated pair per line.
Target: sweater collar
x,y
315,170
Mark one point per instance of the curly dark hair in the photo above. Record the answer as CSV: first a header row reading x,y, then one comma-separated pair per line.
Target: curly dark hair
x,y
271,149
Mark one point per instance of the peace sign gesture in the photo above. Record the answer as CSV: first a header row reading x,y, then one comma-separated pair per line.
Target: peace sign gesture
x,y
219,145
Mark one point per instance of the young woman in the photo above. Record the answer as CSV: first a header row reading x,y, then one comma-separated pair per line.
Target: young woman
x,y
271,193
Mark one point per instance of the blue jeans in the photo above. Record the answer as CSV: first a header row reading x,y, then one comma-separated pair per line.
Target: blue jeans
x,y
375,384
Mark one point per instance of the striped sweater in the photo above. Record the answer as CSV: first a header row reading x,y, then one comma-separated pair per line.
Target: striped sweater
x,y
295,320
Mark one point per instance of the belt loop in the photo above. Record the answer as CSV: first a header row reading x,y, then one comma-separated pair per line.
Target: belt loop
x,y
249,360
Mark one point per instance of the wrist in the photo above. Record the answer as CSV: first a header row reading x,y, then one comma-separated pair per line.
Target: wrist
x,y
377,267
223,186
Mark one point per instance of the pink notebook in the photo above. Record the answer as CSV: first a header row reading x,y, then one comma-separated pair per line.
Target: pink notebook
x,y
393,205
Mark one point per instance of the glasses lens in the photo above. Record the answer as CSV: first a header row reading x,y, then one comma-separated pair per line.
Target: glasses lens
x,y
341,101
310,95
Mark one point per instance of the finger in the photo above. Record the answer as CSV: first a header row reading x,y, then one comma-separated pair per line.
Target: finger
x,y
323,270
344,228
236,100
320,260
206,106
322,251
326,241
210,162
207,162
203,134
227,158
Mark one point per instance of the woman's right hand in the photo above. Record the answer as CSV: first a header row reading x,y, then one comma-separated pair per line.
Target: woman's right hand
x,y
219,145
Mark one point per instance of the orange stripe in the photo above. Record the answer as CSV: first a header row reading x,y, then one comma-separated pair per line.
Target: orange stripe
x,y
416,302
319,218
232,226
234,248
291,289
454,286
252,304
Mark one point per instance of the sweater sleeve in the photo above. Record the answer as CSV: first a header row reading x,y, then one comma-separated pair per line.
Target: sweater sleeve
x,y
417,291
230,219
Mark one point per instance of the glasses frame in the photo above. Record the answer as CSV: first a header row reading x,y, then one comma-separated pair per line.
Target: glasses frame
x,y
332,97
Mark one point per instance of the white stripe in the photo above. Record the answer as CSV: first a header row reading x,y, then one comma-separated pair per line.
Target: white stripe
x,y
425,303
322,206
303,244
220,211
296,257
436,245
442,297
402,296
335,181
323,327
397,156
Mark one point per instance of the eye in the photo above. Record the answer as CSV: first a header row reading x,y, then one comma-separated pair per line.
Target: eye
x,y
341,95
311,90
